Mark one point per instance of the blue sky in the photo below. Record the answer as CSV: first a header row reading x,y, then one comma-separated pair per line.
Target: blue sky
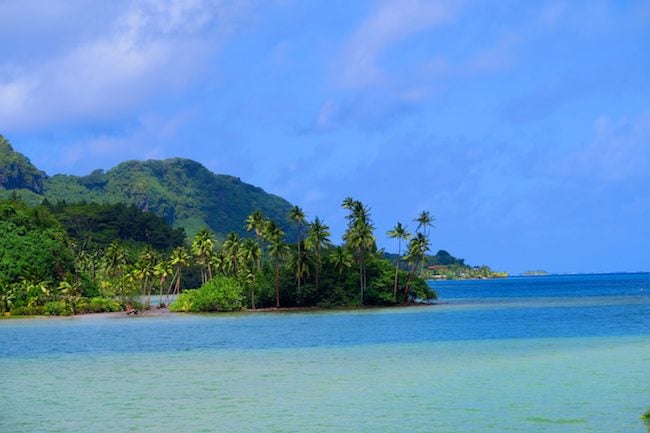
x,y
524,127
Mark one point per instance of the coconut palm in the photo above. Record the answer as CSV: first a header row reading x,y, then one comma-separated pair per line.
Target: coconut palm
x,y
231,250
180,259
317,239
341,259
359,237
400,233
144,270
202,248
277,249
162,271
418,247
424,220
297,215
255,222
250,252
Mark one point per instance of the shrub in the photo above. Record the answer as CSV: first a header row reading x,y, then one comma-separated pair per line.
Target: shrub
x,y
218,294
98,305
57,308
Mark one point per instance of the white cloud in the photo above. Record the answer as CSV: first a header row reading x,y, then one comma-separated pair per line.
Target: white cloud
x,y
392,22
148,49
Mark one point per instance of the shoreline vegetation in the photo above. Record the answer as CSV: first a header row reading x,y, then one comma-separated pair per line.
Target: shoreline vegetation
x,y
61,259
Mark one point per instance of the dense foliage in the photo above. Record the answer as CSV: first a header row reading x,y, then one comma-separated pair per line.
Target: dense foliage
x,y
219,294
183,192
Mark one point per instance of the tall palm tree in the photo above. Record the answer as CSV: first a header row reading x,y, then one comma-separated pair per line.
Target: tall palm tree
x,y
418,247
251,252
202,248
318,238
255,222
400,233
162,271
297,215
231,249
300,262
144,270
180,259
359,237
277,250
424,220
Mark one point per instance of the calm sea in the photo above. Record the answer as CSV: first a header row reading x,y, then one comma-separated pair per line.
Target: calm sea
x,y
529,354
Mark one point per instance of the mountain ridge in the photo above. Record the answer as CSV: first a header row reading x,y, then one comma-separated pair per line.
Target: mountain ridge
x,y
181,190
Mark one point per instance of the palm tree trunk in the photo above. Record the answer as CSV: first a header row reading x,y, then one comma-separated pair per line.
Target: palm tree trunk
x,y
318,265
277,283
410,279
399,256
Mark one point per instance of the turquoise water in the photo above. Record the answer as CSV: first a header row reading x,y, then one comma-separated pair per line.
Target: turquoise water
x,y
543,354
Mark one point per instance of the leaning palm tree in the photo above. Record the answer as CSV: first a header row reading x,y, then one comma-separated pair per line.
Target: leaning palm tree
x,y
144,270
297,215
400,233
180,259
317,239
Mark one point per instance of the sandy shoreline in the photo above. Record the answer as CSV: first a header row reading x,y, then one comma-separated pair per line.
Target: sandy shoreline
x,y
162,312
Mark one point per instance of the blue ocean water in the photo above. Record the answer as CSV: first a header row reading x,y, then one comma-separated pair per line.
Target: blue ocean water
x,y
530,354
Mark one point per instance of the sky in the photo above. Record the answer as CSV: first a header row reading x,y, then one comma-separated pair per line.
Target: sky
x,y
523,127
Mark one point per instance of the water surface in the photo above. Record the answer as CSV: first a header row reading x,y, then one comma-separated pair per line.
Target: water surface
x,y
535,354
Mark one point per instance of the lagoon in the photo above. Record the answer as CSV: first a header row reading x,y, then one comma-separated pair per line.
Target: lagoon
x,y
533,354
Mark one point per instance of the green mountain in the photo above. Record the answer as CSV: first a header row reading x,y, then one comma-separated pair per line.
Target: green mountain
x,y
17,172
182,191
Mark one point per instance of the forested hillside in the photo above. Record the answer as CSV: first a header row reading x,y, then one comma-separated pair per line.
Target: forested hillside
x,y
182,191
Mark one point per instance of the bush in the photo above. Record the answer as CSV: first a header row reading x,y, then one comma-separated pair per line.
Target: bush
x,y
218,294
98,305
57,308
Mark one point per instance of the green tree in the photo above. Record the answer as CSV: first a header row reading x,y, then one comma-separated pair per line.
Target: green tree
x,y
278,250
179,259
317,239
359,237
162,271
251,252
255,222
400,233
203,248
297,215
231,249
418,247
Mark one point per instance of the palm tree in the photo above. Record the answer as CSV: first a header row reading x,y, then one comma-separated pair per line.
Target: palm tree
x,y
317,239
277,250
255,222
341,259
231,249
424,220
400,233
359,237
251,252
300,262
418,247
162,270
202,248
144,270
297,215
179,258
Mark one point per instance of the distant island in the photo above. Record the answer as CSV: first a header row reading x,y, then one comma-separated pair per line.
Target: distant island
x,y
115,240
535,273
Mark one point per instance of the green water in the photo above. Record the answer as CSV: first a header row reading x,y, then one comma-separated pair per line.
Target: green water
x,y
528,385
